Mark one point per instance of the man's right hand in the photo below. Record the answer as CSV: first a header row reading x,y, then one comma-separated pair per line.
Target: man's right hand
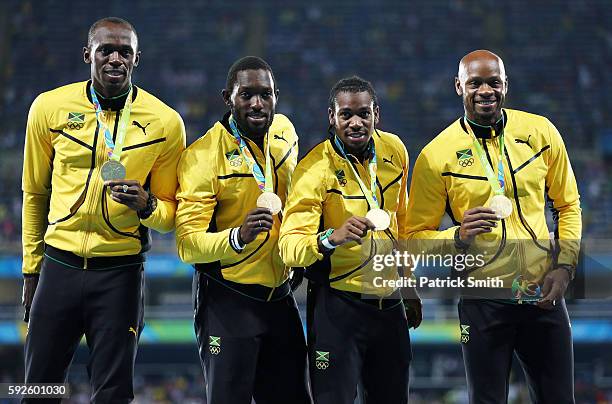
x,y
256,221
29,288
354,229
477,221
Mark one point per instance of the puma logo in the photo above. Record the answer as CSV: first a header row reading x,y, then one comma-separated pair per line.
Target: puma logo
x,y
524,141
281,138
132,330
143,128
385,160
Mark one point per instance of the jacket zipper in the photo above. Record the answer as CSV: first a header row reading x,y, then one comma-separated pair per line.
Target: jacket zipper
x,y
94,200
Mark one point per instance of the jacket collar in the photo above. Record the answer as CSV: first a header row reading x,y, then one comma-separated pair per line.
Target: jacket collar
x,y
112,104
484,132
338,152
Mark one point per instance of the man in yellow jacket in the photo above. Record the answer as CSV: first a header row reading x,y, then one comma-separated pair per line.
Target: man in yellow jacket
x,y
233,183
491,171
344,189
99,171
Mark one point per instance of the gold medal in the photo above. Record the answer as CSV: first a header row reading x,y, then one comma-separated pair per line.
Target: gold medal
x,y
271,201
501,205
112,170
379,218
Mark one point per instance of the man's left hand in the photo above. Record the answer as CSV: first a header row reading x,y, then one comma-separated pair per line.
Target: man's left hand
x,y
414,312
555,285
129,193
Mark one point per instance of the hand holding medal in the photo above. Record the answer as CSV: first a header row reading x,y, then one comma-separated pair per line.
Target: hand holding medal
x,y
354,229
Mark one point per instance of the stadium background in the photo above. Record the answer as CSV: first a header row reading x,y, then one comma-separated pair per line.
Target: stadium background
x,y
557,56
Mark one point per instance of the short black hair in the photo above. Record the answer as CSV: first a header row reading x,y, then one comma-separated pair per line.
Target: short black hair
x,y
353,84
105,20
246,63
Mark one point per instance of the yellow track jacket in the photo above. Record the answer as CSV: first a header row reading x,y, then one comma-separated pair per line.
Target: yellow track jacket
x,y
325,194
448,177
216,191
64,199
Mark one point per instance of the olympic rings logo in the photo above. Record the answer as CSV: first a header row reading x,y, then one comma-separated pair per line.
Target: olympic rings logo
x,y
236,162
75,125
215,350
465,339
466,162
321,365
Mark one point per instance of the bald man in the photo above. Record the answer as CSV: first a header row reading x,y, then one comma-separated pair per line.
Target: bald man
x,y
492,171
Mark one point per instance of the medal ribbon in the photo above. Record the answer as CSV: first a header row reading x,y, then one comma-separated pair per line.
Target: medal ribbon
x,y
498,183
264,182
115,148
370,194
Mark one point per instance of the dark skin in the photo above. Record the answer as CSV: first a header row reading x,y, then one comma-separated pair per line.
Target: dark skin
x,y
482,84
112,54
29,287
252,102
354,118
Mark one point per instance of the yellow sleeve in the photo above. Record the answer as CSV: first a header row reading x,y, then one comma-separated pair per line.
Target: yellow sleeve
x,y
402,208
196,204
427,203
563,191
36,186
164,181
298,235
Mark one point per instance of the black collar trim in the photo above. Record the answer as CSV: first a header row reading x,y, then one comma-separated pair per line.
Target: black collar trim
x,y
481,131
330,137
225,121
114,105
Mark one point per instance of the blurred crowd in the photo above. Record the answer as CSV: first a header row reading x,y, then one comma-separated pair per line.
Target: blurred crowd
x,y
556,58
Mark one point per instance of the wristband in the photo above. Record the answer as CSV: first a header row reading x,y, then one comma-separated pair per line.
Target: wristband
x,y
324,238
459,244
234,239
149,209
571,271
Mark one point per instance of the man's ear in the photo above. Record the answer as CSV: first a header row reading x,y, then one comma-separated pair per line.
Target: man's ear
x,y
226,97
86,55
458,88
376,115
137,59
332,116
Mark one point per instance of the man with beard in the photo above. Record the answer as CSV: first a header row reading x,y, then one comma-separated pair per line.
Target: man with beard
x,y
233,183
348,198
491,170
94,182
